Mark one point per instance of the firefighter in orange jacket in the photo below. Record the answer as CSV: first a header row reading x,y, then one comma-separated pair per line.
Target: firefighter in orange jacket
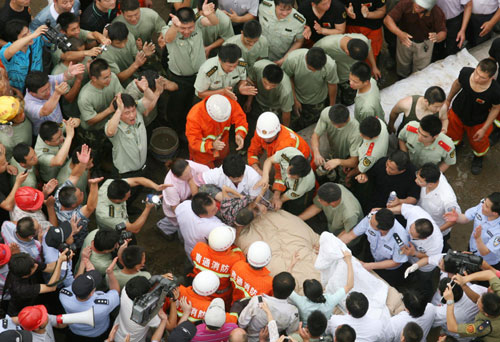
x,y
219,256
271,136
207,129
199,295
252,278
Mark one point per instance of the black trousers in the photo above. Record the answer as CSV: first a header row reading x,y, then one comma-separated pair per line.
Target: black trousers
x,y
180,101
449,45
474,28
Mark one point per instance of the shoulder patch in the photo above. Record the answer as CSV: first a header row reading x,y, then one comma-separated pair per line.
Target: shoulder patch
x,y
366,162
370,149
496,242
483,326
452,154
293,194
295,185
66,292
197,15
444,146
101,301
299,18
242,64
212,71
111,211
412,129
268,4
344,15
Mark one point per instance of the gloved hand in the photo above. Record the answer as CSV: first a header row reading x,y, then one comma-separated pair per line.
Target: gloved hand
x,y
411,269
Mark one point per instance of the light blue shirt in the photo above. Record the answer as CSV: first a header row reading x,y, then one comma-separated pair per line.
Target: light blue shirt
x,y
102,302
383,247
306,307
490,234
49,12
51,254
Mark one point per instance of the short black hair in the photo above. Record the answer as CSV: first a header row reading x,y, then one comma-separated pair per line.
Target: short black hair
x,y
129,5
362,71
244,217
370,127
106,239
117,31
199,202
48,129
76,43
431,124
313,291
186,15
414,302
20,151
13,28
317,323
299,166
329,192
424,228
65,19
229,53
357,304
491,304
316,58
151,76
385,219
401,159
338,114
435,94
178,166
412,332
132,256
137,286
495,200
67,196
20,264
234,165
97,66
273,73
283,285
345,333
358,49
488,66
128,101
35,80
458,292
284,2
26,227
252,29
117,189
430,172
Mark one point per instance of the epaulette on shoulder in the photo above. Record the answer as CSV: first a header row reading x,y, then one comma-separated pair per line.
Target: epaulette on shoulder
x,y
444,146
266,3
242,64
212,71
197,15
299,18
412,129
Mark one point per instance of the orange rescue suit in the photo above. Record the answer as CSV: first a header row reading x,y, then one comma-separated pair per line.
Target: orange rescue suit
x,y
248,282
202,131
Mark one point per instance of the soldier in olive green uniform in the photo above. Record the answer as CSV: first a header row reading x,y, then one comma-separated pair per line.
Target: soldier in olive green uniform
x,y
27,161
144,27
368,104
283,27
259,48
372,148
109,213
336,46
213,77
214,36
425,143
314,78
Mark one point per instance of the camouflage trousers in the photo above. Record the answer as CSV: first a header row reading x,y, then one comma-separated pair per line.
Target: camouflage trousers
x,y
309,115
345,94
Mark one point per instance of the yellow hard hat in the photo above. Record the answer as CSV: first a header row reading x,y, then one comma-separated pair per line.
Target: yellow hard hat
x,y
9,108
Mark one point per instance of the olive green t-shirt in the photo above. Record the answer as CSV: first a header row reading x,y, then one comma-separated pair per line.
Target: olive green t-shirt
x,y
150,23
11,135
260,50
368,104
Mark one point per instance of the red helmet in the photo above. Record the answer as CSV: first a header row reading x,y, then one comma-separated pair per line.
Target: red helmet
x,y
29,199
4,254
32,317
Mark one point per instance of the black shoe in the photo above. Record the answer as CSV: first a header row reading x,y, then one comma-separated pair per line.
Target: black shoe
x,y
495,136
168,237
477,165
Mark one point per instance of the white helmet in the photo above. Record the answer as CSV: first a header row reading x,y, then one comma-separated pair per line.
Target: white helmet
x,y
221,238
218,107
427,4
259,254
268,125
206,283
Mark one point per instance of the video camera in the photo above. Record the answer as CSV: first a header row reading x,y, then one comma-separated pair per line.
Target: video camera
x,y
147,306
70,248
460,262
57,38
124,234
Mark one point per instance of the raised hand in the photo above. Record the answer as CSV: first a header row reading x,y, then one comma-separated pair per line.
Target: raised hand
x,y
350,11
207,8
84,155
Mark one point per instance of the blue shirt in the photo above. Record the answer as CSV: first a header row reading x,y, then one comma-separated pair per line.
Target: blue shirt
x,y
306,307
383,247
490,234
102,302
48,12
17,66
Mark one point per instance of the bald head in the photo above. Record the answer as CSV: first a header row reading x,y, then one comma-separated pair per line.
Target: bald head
x,y
238,335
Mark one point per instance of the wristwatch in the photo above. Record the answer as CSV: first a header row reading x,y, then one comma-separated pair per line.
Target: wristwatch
x,y
450,302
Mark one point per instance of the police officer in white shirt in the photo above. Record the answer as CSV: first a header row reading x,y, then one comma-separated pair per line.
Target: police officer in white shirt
x,y
485,238
437,198
367,329
416,310
386,237
465,309
425,240
236,174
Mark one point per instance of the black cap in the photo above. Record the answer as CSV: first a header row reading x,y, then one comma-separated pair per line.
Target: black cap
x,y
16,336
57,235
84,284
183,332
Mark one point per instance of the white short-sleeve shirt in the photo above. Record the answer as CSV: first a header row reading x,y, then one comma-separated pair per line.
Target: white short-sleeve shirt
x,y
250,178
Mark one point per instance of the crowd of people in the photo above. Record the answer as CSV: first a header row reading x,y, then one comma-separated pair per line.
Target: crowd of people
x,y
84,83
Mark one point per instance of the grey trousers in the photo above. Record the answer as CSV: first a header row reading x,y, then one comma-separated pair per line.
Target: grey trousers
x,y
413,58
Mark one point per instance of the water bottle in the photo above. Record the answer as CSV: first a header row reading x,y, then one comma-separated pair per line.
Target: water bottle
x,y
392,196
